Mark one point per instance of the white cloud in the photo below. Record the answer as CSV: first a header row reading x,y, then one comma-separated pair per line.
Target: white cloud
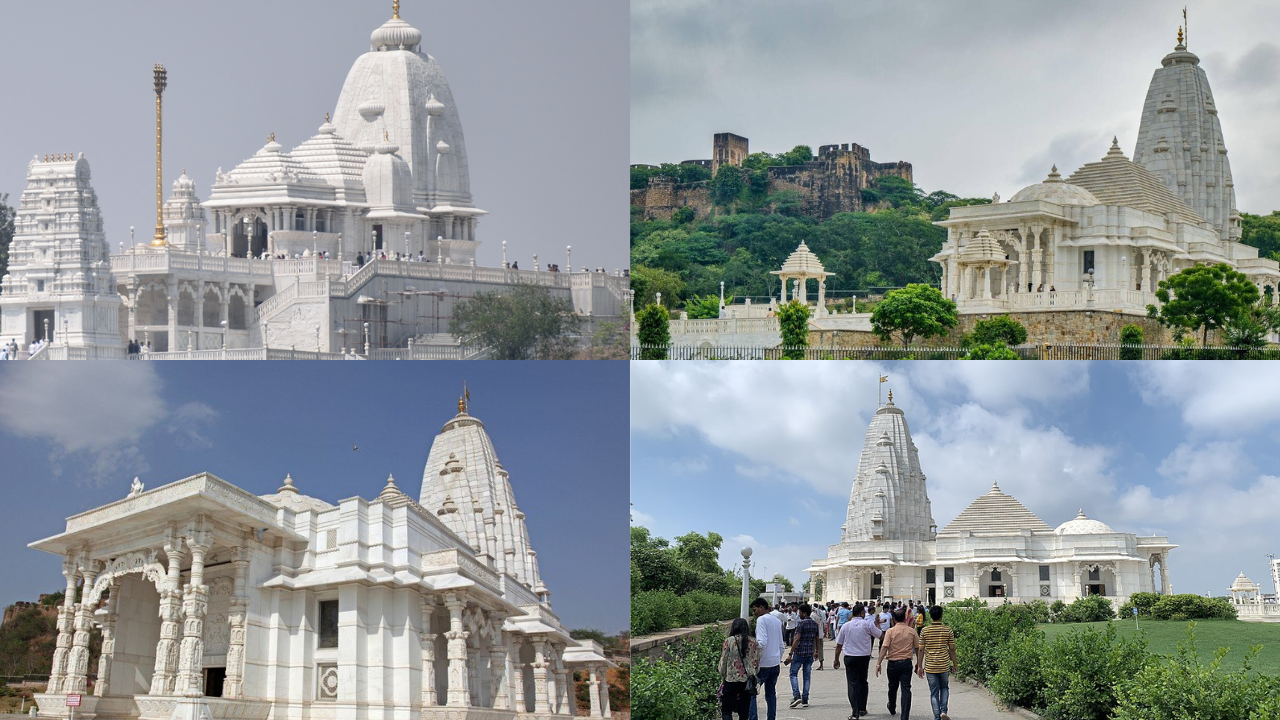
x,y
1220,530
788,560
1002,384
191,421
688,466
95,415
641,518
1217,397
1191,464
964,449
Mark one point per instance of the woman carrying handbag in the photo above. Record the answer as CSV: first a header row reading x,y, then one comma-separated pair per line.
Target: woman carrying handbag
x,y
739,663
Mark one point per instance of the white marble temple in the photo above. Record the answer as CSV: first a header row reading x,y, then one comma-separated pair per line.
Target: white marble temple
x,y
215,603
996,549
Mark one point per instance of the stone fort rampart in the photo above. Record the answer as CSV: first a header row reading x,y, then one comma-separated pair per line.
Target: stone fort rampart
x,y
830,183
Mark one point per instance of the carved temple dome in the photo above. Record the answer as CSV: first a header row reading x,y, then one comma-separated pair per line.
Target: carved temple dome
x,y
1055,190
397,91
1083,525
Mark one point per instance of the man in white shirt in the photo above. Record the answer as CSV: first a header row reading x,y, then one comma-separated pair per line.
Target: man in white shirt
x,y
819,616
853,647
769,635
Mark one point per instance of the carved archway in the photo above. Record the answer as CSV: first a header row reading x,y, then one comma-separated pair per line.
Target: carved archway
x,y
143,562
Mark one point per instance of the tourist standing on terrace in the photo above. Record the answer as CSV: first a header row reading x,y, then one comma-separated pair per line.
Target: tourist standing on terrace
x,y
739,661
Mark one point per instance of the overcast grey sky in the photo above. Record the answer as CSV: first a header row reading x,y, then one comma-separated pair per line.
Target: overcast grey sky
x,y
541,89
980,96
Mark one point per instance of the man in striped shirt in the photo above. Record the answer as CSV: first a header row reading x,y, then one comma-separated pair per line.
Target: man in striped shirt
x,y
939,661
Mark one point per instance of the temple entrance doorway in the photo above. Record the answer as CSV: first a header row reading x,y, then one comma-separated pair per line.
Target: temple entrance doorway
x,y
137,631
214,677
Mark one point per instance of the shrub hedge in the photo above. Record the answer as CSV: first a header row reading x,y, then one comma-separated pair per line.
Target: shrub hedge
x,y
657,610
682,688
1088,674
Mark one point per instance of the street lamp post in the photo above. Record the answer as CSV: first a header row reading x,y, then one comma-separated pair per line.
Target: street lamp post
x,y
366,339
746,579
407,235
504,254
568,258
46,330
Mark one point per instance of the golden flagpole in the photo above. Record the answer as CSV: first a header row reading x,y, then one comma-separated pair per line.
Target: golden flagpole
x,y
162,80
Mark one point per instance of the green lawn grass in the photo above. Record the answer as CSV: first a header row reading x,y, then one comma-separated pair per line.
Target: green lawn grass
x,y
1163,637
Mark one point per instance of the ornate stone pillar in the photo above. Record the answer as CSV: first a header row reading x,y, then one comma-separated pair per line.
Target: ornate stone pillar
x,y
822,297
500,667
66,625
594,692
1035,269
78,658
564,687
1165,589
199,313
458,692
234,686
427,641
171,298
170,599
133,312
102,687
195,602
542,701
517,678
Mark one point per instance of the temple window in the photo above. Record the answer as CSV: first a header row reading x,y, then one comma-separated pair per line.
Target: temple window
x,y
299,221
328,624
930,576
949,574
1044,573
1088,261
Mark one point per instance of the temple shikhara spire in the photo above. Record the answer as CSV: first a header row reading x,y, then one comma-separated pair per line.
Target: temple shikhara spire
x,y
161,81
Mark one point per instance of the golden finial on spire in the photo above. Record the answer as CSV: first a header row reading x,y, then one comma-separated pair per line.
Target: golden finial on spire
x,y
161,78
395,10
890,397
386,136
326,118
1179,34
271,137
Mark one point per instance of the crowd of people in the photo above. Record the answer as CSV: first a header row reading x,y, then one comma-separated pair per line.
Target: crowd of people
x,y
913,640
9,351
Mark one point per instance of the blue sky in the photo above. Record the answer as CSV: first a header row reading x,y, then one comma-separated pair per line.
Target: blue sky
x,y
73,436
765,453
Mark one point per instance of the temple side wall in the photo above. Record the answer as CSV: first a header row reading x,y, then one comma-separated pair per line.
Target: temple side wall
x,y
1075,327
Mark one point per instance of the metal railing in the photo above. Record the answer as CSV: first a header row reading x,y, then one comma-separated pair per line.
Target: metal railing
x,y
1048,351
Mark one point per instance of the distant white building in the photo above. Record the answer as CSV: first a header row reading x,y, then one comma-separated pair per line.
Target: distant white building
x,y
996,549
212,602
59,285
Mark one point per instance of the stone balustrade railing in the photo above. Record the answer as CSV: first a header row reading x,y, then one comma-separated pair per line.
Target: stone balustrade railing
x,y
170,261
725,326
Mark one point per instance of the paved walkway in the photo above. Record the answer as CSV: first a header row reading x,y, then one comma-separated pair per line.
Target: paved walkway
x,y
829,698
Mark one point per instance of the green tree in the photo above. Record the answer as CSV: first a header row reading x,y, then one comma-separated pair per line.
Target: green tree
x,y
705,307
1248,330
683,215
997,351
793,319
700,552
911,312
999,330
611,341
7,215
654,332
1130,339
727,185
525,322
647,282
1262,232
1204,298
